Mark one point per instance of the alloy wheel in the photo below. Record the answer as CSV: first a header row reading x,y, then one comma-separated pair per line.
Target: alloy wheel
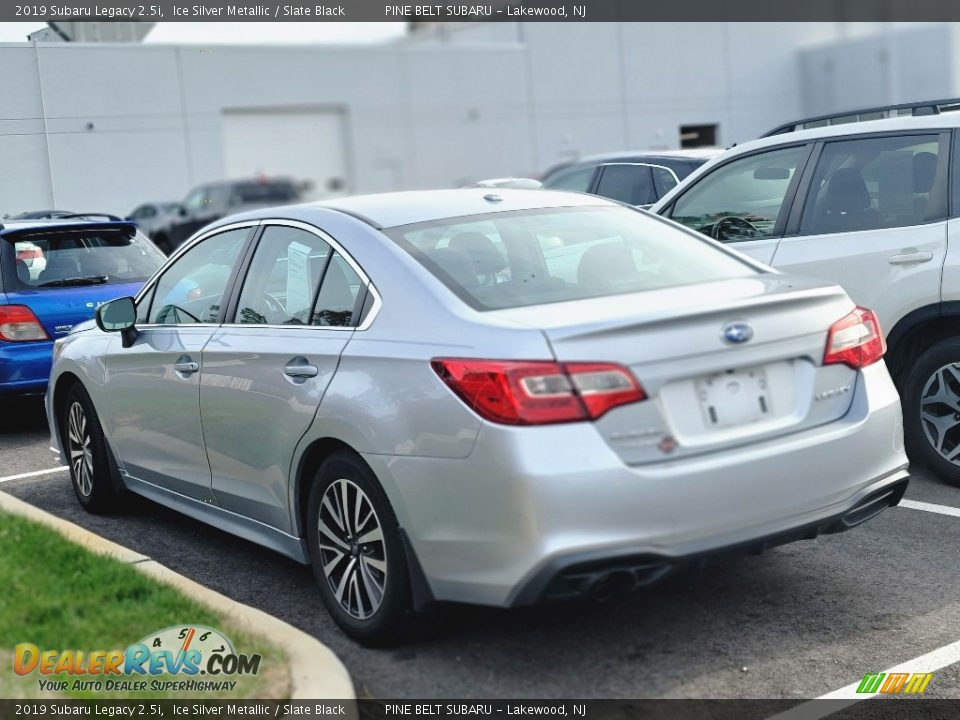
x,y
81,452
352,549
940,411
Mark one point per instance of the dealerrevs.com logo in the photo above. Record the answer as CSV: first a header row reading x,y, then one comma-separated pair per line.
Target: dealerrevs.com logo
x,y
197,657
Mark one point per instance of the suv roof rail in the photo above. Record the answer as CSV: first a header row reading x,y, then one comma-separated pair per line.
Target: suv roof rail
x,y
921,107
71,216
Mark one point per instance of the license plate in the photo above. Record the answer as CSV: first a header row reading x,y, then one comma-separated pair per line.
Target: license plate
x,y
737,397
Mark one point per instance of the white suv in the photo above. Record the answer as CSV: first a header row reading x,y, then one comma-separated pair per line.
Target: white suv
x,y
875,207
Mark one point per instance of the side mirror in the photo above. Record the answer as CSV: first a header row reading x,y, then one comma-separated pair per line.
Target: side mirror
x,y
119,315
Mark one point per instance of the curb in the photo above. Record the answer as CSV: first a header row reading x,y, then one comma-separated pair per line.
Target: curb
x,y
316,673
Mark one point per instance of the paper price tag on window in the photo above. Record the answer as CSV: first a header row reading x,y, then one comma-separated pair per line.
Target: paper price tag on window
x,y
299,284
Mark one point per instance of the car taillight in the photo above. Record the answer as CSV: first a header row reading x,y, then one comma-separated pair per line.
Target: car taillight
x,y
855,340
538,392
19,324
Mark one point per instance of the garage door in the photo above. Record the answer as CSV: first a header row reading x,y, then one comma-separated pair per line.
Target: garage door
x,y
304,144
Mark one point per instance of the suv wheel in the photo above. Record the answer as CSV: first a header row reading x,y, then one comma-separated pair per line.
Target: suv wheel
x,y
91,465
356,552
931,410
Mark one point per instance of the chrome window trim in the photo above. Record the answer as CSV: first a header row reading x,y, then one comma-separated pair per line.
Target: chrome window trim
x,y
307,227
646,164
337,247
184,246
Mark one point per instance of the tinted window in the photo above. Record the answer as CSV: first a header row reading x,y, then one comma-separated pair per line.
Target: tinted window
x,y
60,258
191,290
337,301
577,180
873,183
742,199
251,193
283,278
511,259
663,181
632,184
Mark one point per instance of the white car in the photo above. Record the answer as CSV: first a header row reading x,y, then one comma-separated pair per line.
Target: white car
x,y
872,206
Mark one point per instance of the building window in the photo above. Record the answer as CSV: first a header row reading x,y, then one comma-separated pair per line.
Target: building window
x,y
692,136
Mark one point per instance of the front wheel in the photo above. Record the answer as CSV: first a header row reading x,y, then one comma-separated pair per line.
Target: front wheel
x,y
931,410
356,552
91,467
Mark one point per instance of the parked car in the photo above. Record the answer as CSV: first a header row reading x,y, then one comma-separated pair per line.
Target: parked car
x,y
150,217
870,206
212,201
400,390
635,178
76,265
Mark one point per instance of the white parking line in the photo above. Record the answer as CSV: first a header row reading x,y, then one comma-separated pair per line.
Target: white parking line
x,y
35,473
930,507
848,695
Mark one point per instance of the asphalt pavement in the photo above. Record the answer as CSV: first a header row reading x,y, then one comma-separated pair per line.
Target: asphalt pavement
x,y
796,622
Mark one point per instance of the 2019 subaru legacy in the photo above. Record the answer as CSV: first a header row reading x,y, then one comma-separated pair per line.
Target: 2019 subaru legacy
x,y
498,397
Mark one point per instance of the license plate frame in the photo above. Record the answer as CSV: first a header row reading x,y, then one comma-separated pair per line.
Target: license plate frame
x,y
734,398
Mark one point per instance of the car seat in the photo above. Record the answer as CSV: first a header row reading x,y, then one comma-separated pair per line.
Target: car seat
x,y
486,259
846,204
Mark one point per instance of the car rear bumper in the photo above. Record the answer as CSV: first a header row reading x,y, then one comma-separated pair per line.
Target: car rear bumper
x,y
528,504
25,367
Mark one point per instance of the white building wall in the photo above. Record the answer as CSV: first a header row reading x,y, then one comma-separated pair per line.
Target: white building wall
x,y
104,127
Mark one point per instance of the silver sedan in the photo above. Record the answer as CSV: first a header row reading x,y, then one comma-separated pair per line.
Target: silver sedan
x,y
489,396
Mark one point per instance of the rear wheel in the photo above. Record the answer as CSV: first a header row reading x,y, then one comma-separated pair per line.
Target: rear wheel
x,y
931,410
91,466
356,552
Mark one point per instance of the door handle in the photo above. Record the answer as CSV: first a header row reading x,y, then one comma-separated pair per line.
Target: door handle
x,y
301,371
913,257
185,365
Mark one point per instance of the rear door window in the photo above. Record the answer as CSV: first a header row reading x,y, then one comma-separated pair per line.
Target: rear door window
x,y
283,278
632,184
874,183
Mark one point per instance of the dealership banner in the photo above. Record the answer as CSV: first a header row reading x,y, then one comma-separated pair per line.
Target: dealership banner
x,y
473,709
494,10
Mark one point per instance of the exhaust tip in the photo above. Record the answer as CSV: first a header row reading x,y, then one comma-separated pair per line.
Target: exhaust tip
x,y
611,585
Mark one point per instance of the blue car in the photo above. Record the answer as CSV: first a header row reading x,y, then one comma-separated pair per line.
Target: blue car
x,y
53,275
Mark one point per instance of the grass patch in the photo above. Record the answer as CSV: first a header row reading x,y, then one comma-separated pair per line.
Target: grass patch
x,y
59,596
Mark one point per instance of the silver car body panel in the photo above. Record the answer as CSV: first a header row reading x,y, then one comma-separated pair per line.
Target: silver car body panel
x,y
488,506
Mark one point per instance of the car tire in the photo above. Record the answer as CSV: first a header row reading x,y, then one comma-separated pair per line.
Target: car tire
x,y
931,410
92,469
365,585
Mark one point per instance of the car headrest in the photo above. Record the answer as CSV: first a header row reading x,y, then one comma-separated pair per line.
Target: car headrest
x,y
846,192
480,250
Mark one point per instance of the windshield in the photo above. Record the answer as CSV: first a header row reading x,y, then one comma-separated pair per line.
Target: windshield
x,y
71,257
513,259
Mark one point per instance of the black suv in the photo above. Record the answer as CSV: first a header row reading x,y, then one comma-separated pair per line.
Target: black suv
x,y
212,201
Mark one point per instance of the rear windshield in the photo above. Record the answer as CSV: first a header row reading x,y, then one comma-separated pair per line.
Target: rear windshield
x,y
63,258
267,192
513,259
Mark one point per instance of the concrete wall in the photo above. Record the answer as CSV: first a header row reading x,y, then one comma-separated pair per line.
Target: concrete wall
x,y
104,127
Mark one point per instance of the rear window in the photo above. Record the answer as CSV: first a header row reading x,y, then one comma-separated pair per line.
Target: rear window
x,y
267,192
514,259
70,257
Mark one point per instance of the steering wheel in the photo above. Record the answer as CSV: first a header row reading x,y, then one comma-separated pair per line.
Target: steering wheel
x,y
734,228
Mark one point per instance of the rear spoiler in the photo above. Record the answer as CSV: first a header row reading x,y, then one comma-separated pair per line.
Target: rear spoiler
x,y
916,109
56,227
